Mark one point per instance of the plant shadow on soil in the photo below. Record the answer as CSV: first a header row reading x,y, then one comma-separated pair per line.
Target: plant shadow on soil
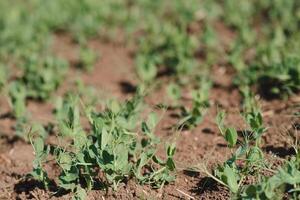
x,y
127,87
9,140
281,152
266,84
7,115
205,185
165,72
28,185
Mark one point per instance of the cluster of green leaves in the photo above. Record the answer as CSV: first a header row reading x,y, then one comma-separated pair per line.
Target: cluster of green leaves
x,y
273,25
166,43
277,79
17,93
113,147
274,66
200,102
166,38
27,39
191,117
283,184
41,154
42,76
173,37
83,19
87,58
248,158
165,46
39,79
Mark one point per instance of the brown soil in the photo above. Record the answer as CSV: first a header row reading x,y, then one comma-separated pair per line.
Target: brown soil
x,y
113,76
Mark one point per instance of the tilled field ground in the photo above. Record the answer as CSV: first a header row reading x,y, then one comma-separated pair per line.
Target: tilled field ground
x,y
113,76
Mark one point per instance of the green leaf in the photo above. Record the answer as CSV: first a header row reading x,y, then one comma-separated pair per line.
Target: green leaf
x,y
145,128
39,145
105,138
255,155
152,120
80,194
170,163
65,161
174,92
171,150
68,177
231,179
115,106
231,136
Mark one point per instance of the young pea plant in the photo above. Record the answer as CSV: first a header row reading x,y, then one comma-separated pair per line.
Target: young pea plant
x,y
276,79
119,142
36,136
87,58
17,94
229,133
41,153
68,115
42,76
165,46
247,159
284,183
249,101
159,177
164,171
191,118
86,93
113,147
174,92
146,67
210,41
